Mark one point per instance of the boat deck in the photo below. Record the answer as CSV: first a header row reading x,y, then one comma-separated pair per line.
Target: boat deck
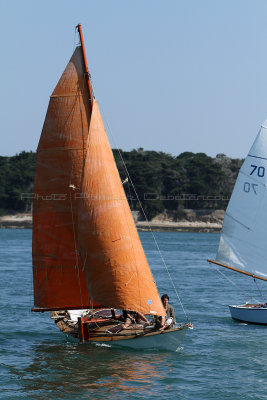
x,y
105,330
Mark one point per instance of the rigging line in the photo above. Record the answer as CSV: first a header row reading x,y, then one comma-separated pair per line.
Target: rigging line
x,y
72,216
70,186
74,234
75,246
83,136
259,290
143,211
130,199
130,194
233,283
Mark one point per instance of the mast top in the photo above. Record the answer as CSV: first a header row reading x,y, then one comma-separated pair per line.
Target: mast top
x,y
87,74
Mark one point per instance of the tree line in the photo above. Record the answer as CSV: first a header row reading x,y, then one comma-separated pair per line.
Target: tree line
x,y
161,181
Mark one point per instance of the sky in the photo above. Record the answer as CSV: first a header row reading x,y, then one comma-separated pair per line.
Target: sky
x,y
169,75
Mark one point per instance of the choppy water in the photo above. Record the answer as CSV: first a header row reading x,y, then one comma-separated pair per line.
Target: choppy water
x,y
219,359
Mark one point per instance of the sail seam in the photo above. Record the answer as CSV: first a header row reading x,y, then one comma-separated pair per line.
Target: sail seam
x,y
232,282
262,158
59,149
54,96
240,223
127,283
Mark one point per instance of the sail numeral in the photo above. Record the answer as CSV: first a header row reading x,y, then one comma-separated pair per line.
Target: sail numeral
x,y
250,187
260,170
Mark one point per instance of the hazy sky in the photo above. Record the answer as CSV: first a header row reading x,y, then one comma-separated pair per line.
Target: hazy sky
x,y
169,75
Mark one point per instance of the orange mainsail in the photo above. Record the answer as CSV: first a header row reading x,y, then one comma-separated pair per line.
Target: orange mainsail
x,y
113,259
86,249
57,274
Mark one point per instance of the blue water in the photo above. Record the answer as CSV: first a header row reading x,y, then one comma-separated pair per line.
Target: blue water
x,y
219,359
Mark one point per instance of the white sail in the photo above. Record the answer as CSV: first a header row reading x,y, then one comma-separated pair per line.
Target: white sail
x,y
243,242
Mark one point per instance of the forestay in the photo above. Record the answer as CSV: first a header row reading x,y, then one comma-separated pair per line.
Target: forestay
x,y
243,239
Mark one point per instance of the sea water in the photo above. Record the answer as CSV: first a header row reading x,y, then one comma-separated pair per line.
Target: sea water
x,y
218,359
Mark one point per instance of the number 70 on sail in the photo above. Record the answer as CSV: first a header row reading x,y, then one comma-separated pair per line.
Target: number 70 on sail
x,y
257,174
250,187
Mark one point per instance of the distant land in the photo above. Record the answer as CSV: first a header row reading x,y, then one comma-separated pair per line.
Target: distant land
x,y
191,188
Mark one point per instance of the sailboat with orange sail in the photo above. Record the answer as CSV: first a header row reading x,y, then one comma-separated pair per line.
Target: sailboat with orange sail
x,y
88,261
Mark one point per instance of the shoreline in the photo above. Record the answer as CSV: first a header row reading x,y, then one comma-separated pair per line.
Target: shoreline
x,y
24,221
16,221
182,226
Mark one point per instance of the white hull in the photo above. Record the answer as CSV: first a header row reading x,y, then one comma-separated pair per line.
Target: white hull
x,y
167,340
253,315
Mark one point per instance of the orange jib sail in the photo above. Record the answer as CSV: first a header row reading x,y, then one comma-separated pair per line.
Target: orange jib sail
x,y
57,272
113,259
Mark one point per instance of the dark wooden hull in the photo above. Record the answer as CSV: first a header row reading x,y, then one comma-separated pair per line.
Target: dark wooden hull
x,y
109,331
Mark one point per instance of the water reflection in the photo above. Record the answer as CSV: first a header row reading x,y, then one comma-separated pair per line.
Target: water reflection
x,y
67,369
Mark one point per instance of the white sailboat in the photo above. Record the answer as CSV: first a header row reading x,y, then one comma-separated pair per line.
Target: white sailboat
x,y
243,242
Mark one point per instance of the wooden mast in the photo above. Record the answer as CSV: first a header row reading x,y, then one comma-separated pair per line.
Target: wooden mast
x,y
87,74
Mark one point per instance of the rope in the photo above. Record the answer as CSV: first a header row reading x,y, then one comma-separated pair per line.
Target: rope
x,y
72,187
259,290
75,246
130,194
233,283
143,211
